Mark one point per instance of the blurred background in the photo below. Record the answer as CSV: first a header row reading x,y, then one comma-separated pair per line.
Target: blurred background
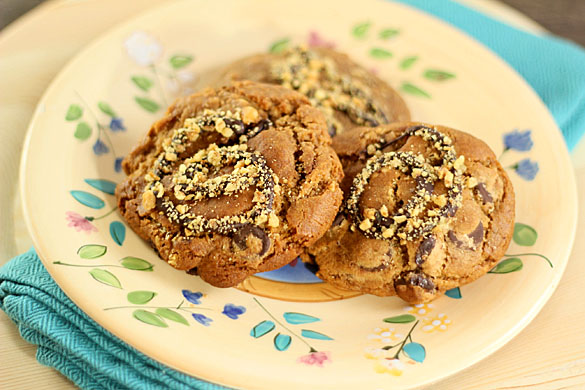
x,y
565,18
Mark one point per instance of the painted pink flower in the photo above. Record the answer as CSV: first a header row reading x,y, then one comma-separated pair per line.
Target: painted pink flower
x,y
315,358
79,222
316,40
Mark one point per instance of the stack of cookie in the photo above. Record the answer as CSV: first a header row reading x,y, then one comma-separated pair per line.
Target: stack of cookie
x,y
305,153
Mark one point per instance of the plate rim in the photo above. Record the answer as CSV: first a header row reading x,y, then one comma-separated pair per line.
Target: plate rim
x,y
502,339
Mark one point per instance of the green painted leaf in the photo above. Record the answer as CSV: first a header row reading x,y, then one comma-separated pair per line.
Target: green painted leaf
x,y
87,199
454,293
82,131
379,53
360,30
388,33
415,351
311,334
118,232
107,186
144,83
282,341
136,264
524,235
299,318
149,318
140,297
146,103
171,315
506,266
262,328
408,62
279,46
437,75
414,90
401,319
74,112
92,251
105,277
179,61
106,109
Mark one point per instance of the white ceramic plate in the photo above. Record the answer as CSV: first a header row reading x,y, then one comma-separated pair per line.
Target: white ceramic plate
x,y
285,329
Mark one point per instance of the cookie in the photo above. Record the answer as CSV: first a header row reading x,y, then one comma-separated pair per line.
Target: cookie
x,y
426,209
233,181
348,94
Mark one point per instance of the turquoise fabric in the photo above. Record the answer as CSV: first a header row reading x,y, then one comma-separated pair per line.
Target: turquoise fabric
x,y
72,342
554,67
93,358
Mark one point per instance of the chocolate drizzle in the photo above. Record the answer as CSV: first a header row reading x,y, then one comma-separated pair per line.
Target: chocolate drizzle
x,y
255,173
214,172
410,222
317,78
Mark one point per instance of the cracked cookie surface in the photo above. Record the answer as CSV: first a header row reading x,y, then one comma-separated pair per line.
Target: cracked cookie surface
x,y
426,209
348,94
233,181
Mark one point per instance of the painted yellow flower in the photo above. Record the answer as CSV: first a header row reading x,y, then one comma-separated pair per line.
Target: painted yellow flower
x,y
390,366
385,335
375,353
440,323
421,309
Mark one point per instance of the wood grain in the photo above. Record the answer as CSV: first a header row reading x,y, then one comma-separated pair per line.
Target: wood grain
x,y
565,18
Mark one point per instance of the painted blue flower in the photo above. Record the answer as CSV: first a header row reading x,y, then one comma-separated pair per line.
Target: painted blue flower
x,y
233,311
100,148
118,164
202,319
527,169
116,124
518,140
193,297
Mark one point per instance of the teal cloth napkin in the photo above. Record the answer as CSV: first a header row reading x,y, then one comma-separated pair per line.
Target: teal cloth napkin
x,y
93,358
72,342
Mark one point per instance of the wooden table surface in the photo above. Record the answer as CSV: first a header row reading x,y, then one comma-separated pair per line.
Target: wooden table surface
x,y
548,354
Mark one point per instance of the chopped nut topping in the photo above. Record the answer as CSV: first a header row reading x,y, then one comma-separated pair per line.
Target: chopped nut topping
x,y
250,115
273,220
420,215
366,224
148,200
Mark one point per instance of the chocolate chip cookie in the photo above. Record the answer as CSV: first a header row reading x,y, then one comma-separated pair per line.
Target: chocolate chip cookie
x,y
426,209
348,94
233,181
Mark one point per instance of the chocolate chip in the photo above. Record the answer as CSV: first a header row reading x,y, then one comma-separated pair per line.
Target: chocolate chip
x,y
338,219
313,267
484,193
242,233
192,271
424,250
332,130
422,281
416,279
454,239
477,234
380,267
